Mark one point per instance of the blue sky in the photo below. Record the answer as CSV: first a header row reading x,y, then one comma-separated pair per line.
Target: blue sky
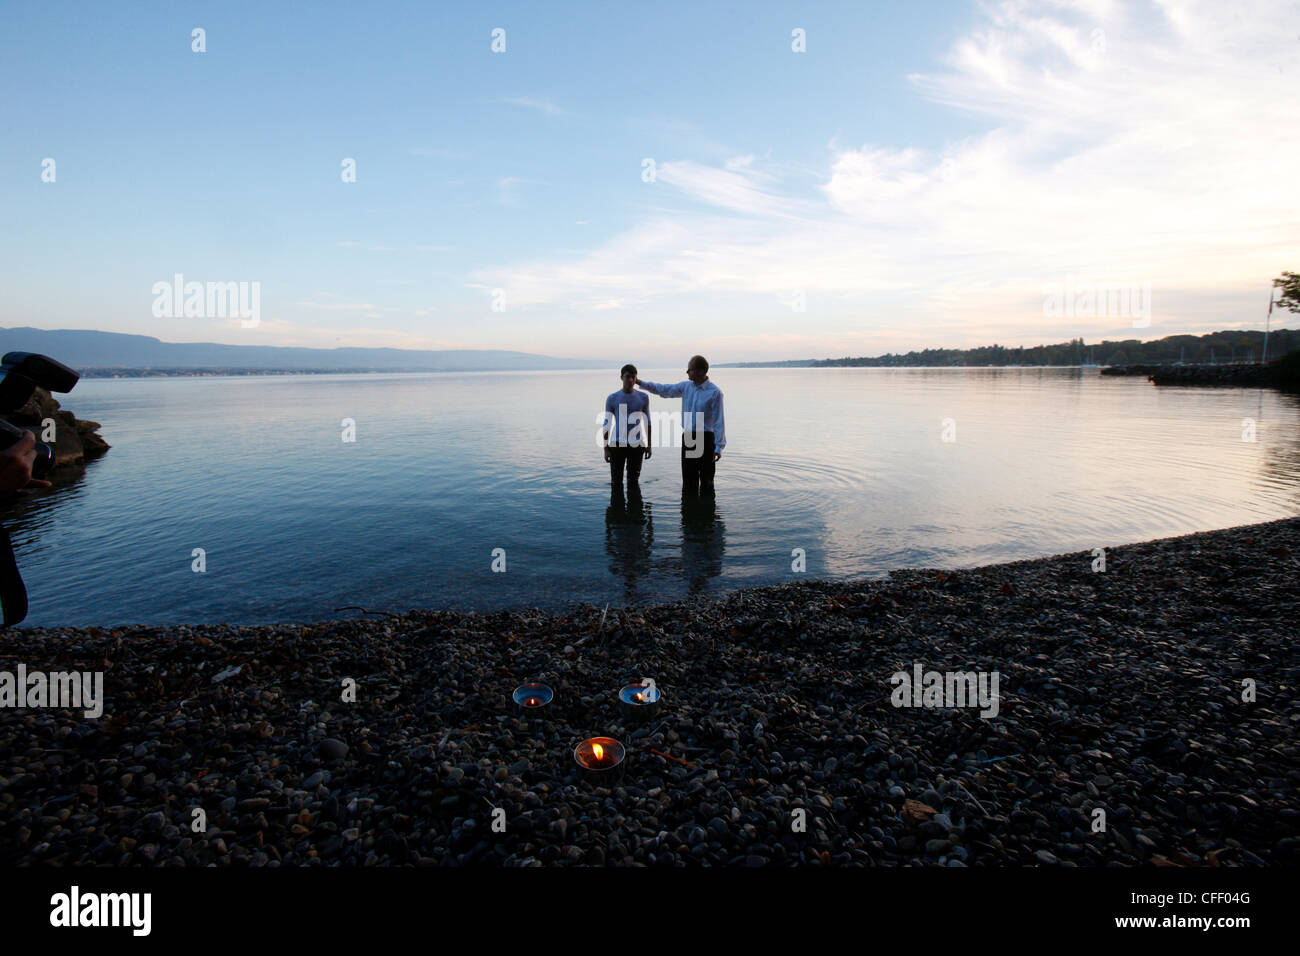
x,y
921,176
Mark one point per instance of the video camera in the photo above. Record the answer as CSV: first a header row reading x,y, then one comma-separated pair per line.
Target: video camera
x,y
20,374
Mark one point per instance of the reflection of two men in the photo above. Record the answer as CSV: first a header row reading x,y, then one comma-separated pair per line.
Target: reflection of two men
x,y
629,538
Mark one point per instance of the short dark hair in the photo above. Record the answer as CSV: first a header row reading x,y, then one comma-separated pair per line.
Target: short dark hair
x,y
700,362
627,368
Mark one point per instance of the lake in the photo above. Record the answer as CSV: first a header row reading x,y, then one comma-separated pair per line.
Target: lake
x,y
850,465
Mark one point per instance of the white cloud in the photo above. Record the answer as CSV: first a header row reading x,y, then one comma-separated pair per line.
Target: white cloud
x,y
540,104
737,188
440,152
1162,150
508,188
282,332
338,306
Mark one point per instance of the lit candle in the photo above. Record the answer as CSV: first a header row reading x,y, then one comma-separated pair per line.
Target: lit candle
x,y
532,697
640,701
601,760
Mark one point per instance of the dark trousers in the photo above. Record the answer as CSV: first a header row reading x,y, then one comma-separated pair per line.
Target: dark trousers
x,y
629,455
698,471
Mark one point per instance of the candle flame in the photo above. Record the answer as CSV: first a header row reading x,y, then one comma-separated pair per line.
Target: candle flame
x,y
639,697
532,701
598,751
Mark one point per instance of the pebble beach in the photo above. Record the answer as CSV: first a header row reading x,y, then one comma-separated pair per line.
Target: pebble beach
x,y
1160,691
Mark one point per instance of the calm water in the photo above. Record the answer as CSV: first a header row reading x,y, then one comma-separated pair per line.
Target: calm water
x,y
847,464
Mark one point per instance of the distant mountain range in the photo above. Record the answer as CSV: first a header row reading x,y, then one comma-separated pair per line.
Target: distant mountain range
x,y
83,349
110,353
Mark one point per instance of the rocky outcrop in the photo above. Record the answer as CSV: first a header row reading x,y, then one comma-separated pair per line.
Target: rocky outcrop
x,y
74,440
1283,373
1144,370
1240,376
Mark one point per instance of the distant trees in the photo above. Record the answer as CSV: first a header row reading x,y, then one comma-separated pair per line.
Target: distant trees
x,y
1289,283
1225,346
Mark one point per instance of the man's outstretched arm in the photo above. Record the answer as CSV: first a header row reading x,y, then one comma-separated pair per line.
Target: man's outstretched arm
x,y
663,391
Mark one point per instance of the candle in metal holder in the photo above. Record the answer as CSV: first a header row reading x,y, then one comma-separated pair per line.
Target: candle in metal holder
x,y
532,697
601,760
640,701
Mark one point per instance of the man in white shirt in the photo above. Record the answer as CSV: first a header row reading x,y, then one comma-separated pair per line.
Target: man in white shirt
x,y
627,431
702,422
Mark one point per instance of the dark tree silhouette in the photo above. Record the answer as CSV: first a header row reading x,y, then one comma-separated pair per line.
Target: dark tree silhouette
x,y
1289,283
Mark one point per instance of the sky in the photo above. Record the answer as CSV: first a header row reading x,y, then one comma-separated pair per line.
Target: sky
x,y
748,180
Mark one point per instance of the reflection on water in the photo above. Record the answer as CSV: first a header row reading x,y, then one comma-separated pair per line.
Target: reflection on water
x,y
703,540
849,465
629,537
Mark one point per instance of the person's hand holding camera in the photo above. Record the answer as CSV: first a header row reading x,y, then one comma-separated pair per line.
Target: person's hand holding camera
x,y
16,465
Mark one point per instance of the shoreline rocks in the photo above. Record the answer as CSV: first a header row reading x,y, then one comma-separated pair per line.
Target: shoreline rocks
x,y
1120,691
75,440
1283,373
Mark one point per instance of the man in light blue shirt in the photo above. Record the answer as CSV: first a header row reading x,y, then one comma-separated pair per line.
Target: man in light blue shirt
x,y
627,431
702,422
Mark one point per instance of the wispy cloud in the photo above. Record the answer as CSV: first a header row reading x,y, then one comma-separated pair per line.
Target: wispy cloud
x,y
357,244
338,306
540,104
508,188
439,152
304,335
1158,149
738,187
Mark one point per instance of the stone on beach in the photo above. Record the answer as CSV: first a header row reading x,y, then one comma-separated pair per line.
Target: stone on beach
x,y
1121,692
